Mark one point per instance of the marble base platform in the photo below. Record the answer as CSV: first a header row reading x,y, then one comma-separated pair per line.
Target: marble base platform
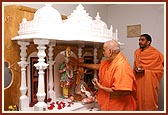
x,y
67,105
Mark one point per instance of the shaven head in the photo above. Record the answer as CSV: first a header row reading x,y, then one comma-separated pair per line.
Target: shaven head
x,y
111,49
113,45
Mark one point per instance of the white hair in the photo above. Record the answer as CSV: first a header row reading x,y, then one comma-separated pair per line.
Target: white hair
x,y
114,45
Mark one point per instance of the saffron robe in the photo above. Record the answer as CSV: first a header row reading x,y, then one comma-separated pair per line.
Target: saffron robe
x,y
148,83
117,75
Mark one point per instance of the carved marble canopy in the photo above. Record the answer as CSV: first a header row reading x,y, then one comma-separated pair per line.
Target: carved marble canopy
x,y
79,26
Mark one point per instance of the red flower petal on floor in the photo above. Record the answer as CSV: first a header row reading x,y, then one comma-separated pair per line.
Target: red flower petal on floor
x,y
61,102
50,108
59,107
63,105
57,102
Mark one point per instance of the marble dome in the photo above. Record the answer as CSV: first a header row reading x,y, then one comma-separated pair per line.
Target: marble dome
x,y
49,13
47,20
99,23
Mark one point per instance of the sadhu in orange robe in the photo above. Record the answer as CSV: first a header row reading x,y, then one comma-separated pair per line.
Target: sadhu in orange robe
x,y
148,83
117,75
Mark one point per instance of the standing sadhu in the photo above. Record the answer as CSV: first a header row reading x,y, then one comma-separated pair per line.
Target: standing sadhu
x,y
116,81
148,69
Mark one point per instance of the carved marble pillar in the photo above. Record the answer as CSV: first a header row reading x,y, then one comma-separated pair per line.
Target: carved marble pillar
x,y
51,93
24,99
41,66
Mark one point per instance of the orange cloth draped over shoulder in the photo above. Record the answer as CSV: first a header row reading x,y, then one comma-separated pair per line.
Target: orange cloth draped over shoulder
x,y
117,75
148,83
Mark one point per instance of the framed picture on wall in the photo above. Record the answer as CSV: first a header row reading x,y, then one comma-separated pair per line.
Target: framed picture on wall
x,y
133,31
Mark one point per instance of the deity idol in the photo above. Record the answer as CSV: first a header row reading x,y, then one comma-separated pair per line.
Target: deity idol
x,y
66,71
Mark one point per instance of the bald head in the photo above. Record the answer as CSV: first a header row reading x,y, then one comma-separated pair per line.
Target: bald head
x,y
113,45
